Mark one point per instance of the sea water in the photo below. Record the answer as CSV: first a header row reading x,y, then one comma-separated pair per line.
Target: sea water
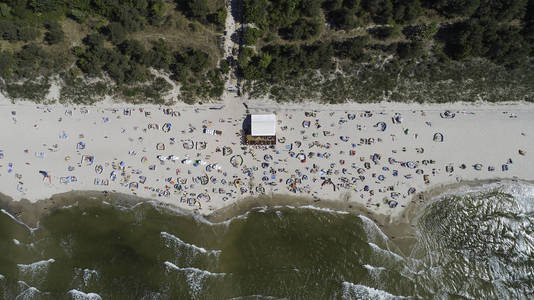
x,y
471,244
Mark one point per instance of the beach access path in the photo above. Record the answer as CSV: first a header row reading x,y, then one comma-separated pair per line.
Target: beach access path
x,y
378,155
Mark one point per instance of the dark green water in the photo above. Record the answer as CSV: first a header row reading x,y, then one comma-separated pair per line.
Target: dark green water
x,y
473,245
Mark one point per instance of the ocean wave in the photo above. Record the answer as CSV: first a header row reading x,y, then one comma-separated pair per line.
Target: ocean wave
x,y
257,297
373,232
196,278
28,292
372,268
384,252
18,221
374,272
35,272
192,270
177,240
328,210
357,291
78,295
515,188
36,265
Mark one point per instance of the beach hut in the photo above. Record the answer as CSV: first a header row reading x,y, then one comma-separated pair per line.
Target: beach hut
x,y
262,130
438,137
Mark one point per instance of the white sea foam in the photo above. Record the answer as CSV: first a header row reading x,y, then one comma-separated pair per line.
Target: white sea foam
x,y
78,295
374,272
195,278
18,221
177,240
28,292
36,271
358,291
384,252
373,232
333,211
257,297
89,274
192,270
372,268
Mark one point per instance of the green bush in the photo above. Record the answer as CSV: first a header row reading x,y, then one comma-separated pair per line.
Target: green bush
x,y
251,35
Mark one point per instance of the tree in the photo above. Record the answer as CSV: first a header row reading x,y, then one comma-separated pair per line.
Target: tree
x,y
8,31
502,10
224,66
55,33
116,32
456,8
342,19
352,48
27,33
410,50
94,40
7,63
157,12
134,49
254,11
4,10
406,10
197,9
302,29
251,35
219,18
385,32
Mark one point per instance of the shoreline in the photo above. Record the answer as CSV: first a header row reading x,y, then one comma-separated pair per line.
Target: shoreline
x,y
372,159
400,229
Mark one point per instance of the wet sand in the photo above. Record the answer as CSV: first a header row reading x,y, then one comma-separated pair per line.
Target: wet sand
x,y
400,229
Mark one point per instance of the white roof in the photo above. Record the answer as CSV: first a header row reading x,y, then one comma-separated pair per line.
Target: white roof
x,y
263,125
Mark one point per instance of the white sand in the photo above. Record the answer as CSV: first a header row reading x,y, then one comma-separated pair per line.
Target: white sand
x,y
479,134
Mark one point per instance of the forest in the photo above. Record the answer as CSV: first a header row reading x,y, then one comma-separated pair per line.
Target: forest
x,y
120,44
139,50
295,38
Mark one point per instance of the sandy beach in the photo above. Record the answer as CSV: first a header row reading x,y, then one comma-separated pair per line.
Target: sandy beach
x,y
376,156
